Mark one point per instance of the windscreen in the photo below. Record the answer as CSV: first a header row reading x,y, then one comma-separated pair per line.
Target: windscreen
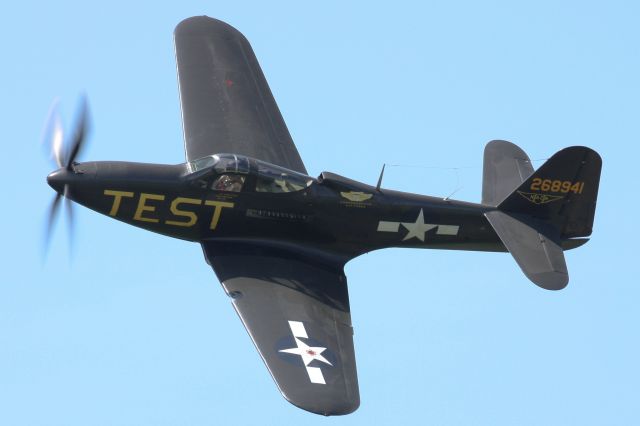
x,y
222,163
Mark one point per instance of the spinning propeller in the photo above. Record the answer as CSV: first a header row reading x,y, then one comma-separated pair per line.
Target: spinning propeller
x,y
63,155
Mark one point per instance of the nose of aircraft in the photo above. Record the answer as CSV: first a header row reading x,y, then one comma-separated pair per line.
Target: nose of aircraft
x,y
58,179
81,173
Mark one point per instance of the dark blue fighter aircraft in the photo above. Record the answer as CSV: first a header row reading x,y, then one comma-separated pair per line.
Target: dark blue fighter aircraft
x,y
278,239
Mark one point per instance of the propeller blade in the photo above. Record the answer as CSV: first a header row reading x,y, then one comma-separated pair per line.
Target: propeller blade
x,y
70,221
53,213
53,135
79,135
57,140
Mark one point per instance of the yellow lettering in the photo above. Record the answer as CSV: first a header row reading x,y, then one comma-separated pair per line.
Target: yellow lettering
x,y
142,207
219,205
535,185
117,198
193,218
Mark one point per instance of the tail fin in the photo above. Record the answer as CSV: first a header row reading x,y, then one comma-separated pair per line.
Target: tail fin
x,y
558,201
561,193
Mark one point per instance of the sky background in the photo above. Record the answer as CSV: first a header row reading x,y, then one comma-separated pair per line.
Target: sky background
x,y
134,328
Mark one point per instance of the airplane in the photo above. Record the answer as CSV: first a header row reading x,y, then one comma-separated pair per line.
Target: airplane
x,y
278,239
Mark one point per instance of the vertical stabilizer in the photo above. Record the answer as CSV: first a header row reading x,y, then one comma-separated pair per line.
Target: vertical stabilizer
x,y
562,192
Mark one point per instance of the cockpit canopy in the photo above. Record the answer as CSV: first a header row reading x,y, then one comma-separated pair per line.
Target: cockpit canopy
x,y
235,173
221,163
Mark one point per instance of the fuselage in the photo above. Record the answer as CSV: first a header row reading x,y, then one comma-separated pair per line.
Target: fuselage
x,y
235,198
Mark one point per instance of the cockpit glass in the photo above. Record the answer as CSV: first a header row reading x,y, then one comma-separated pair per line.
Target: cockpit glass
x,y
272,178
222,163
228,169
201,163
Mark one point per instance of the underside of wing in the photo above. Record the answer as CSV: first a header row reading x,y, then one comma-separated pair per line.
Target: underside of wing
x,y
227,106
296,310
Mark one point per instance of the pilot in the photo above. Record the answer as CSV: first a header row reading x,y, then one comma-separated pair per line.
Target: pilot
x,y
228,183
236,183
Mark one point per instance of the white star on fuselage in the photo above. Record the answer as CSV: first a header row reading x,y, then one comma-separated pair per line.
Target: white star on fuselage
x,y
418,228
308,353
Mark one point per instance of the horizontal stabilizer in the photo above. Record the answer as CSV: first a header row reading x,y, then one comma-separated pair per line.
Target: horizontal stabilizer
x,y
539,256
505,167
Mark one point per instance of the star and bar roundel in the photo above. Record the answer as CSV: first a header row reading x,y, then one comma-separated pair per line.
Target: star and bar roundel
x,y
417,229
312,353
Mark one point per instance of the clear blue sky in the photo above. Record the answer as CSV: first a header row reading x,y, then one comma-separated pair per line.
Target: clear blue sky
x,y
136,330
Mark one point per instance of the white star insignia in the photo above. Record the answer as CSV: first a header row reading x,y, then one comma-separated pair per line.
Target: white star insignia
x,y
306,352
418,228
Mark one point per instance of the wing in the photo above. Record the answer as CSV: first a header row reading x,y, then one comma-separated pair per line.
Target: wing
x,y
296,310
227,105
